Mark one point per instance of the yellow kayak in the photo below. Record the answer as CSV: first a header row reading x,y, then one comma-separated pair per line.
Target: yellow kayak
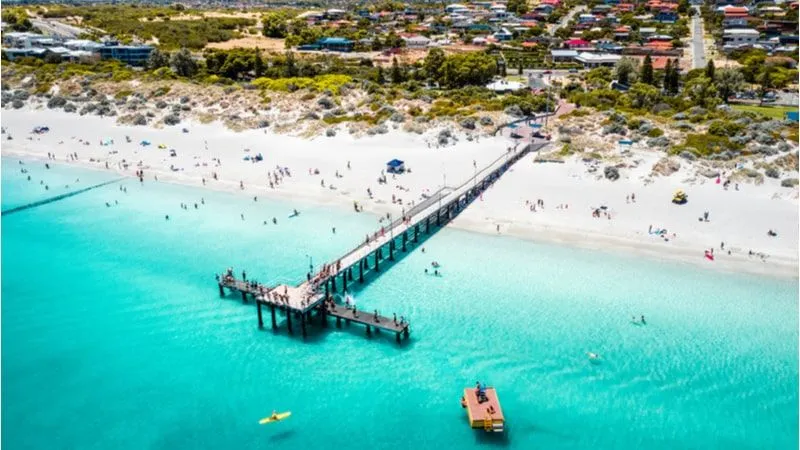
x,y
275,418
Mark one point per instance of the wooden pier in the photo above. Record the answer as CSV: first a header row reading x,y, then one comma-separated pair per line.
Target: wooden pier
x,y
400,235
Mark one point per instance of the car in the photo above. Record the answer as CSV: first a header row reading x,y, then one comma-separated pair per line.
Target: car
x,y
573,70
547,72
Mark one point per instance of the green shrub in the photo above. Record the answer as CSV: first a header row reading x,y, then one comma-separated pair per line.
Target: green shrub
x,y
707,144
655,132
724,128
319,83
123,94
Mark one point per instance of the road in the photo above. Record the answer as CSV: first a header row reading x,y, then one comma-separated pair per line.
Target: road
x,y
565,20
54,28
698,49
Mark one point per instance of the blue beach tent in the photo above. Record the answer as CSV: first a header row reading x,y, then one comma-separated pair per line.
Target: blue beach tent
x,y
395,166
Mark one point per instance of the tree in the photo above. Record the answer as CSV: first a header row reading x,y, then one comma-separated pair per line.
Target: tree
x,y
258,63
474,68
764,84
646,74
710,69
702,92
518,7
392,40
626,67
182,63
274,25
379,77
157,60
521,66
235,65
728,82
643,96
668,75
291,67
598,77
397,72
433,62
675,79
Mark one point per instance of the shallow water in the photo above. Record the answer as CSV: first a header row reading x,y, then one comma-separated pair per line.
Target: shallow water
x,y
114,336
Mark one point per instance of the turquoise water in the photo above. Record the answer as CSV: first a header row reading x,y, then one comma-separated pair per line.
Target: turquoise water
x,y
114,336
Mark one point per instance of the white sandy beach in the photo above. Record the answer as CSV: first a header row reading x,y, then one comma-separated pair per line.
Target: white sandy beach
x,y
739,218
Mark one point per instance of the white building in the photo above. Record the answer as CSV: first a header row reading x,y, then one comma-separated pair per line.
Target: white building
x,y
563,55
82,44
590,60
456,8
21,39
417,41
739,36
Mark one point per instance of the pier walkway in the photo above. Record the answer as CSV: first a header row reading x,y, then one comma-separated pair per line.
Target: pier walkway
x,y
424,217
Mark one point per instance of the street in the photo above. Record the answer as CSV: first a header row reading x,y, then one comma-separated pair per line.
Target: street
x,y
698,50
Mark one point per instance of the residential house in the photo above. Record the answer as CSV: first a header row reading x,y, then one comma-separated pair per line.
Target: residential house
x,y
734,11
456,8
503,35
736,22
586,18
739,36
646,32
666,17
625,7
609,47
563,55
577,43
417,41
622,33
601,9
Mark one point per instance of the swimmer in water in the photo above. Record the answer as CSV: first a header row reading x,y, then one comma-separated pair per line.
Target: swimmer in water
x,y
274,221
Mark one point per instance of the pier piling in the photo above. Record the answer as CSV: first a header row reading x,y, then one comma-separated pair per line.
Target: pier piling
x,y
361,270
221,290
272,312
289,321
260,320
244,297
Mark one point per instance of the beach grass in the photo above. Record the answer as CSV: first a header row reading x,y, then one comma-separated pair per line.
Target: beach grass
x,y
774,112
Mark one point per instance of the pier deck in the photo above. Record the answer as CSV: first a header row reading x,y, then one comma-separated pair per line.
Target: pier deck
x,y
366,318
434,211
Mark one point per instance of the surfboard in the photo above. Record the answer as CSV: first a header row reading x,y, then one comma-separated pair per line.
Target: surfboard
x,y
280,417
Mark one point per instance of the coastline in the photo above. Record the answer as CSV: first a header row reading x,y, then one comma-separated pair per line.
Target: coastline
x,y
501,206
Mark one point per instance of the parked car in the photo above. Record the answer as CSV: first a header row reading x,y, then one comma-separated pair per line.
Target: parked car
x,y
573,70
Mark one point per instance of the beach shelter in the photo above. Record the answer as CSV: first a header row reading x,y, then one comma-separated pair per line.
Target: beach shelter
x,y
625,145
395,166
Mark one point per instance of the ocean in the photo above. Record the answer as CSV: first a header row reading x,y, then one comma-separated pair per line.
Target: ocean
x,y
114,334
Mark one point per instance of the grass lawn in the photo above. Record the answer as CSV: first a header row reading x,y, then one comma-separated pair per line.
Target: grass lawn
x,y
517,78
775,112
